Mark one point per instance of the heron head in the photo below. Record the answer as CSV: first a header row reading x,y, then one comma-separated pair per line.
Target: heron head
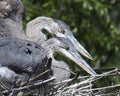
x,y
58,28
55,28
65,47
66,33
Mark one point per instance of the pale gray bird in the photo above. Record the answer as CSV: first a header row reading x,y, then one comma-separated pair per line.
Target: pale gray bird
x,y
35,32
71,53
60,70
53,27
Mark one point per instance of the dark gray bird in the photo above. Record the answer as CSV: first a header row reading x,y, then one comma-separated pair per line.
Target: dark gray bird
x,y
20,59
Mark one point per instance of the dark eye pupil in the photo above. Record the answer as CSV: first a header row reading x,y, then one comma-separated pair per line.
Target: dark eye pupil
x,y
63,31
67,47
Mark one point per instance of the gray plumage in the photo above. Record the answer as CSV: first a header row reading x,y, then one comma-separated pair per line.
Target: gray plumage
x,y
35,29
11,26
61,70
11,15
9,78
53,26
65,29
21,57
57,28
12,9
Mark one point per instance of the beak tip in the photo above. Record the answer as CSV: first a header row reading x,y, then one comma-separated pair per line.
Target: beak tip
x,y
87,55
94,74
90,57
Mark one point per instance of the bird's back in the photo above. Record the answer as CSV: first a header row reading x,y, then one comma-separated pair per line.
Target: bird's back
x,y
22,55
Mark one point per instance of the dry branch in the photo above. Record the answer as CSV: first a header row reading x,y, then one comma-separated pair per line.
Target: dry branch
x,y
82,87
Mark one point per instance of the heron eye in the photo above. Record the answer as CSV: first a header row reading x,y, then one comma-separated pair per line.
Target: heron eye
x,y
63,31
67,47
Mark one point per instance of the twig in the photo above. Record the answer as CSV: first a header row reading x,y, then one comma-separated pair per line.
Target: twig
x,y
114,87
43,73
91,79
30,86
82,87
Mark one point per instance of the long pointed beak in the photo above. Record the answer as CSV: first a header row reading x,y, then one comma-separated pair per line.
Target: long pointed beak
x,y
69,51
76,44
78,60
80,48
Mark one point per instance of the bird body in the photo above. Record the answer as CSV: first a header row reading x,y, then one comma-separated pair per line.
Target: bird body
x,y
21,54
21,57
61,70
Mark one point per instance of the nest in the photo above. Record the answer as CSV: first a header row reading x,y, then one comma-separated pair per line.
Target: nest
x,y
78,86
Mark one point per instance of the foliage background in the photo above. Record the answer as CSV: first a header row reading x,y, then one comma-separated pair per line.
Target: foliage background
x,y
95,24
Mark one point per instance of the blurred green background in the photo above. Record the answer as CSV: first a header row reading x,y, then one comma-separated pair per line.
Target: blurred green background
x,y
95,24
